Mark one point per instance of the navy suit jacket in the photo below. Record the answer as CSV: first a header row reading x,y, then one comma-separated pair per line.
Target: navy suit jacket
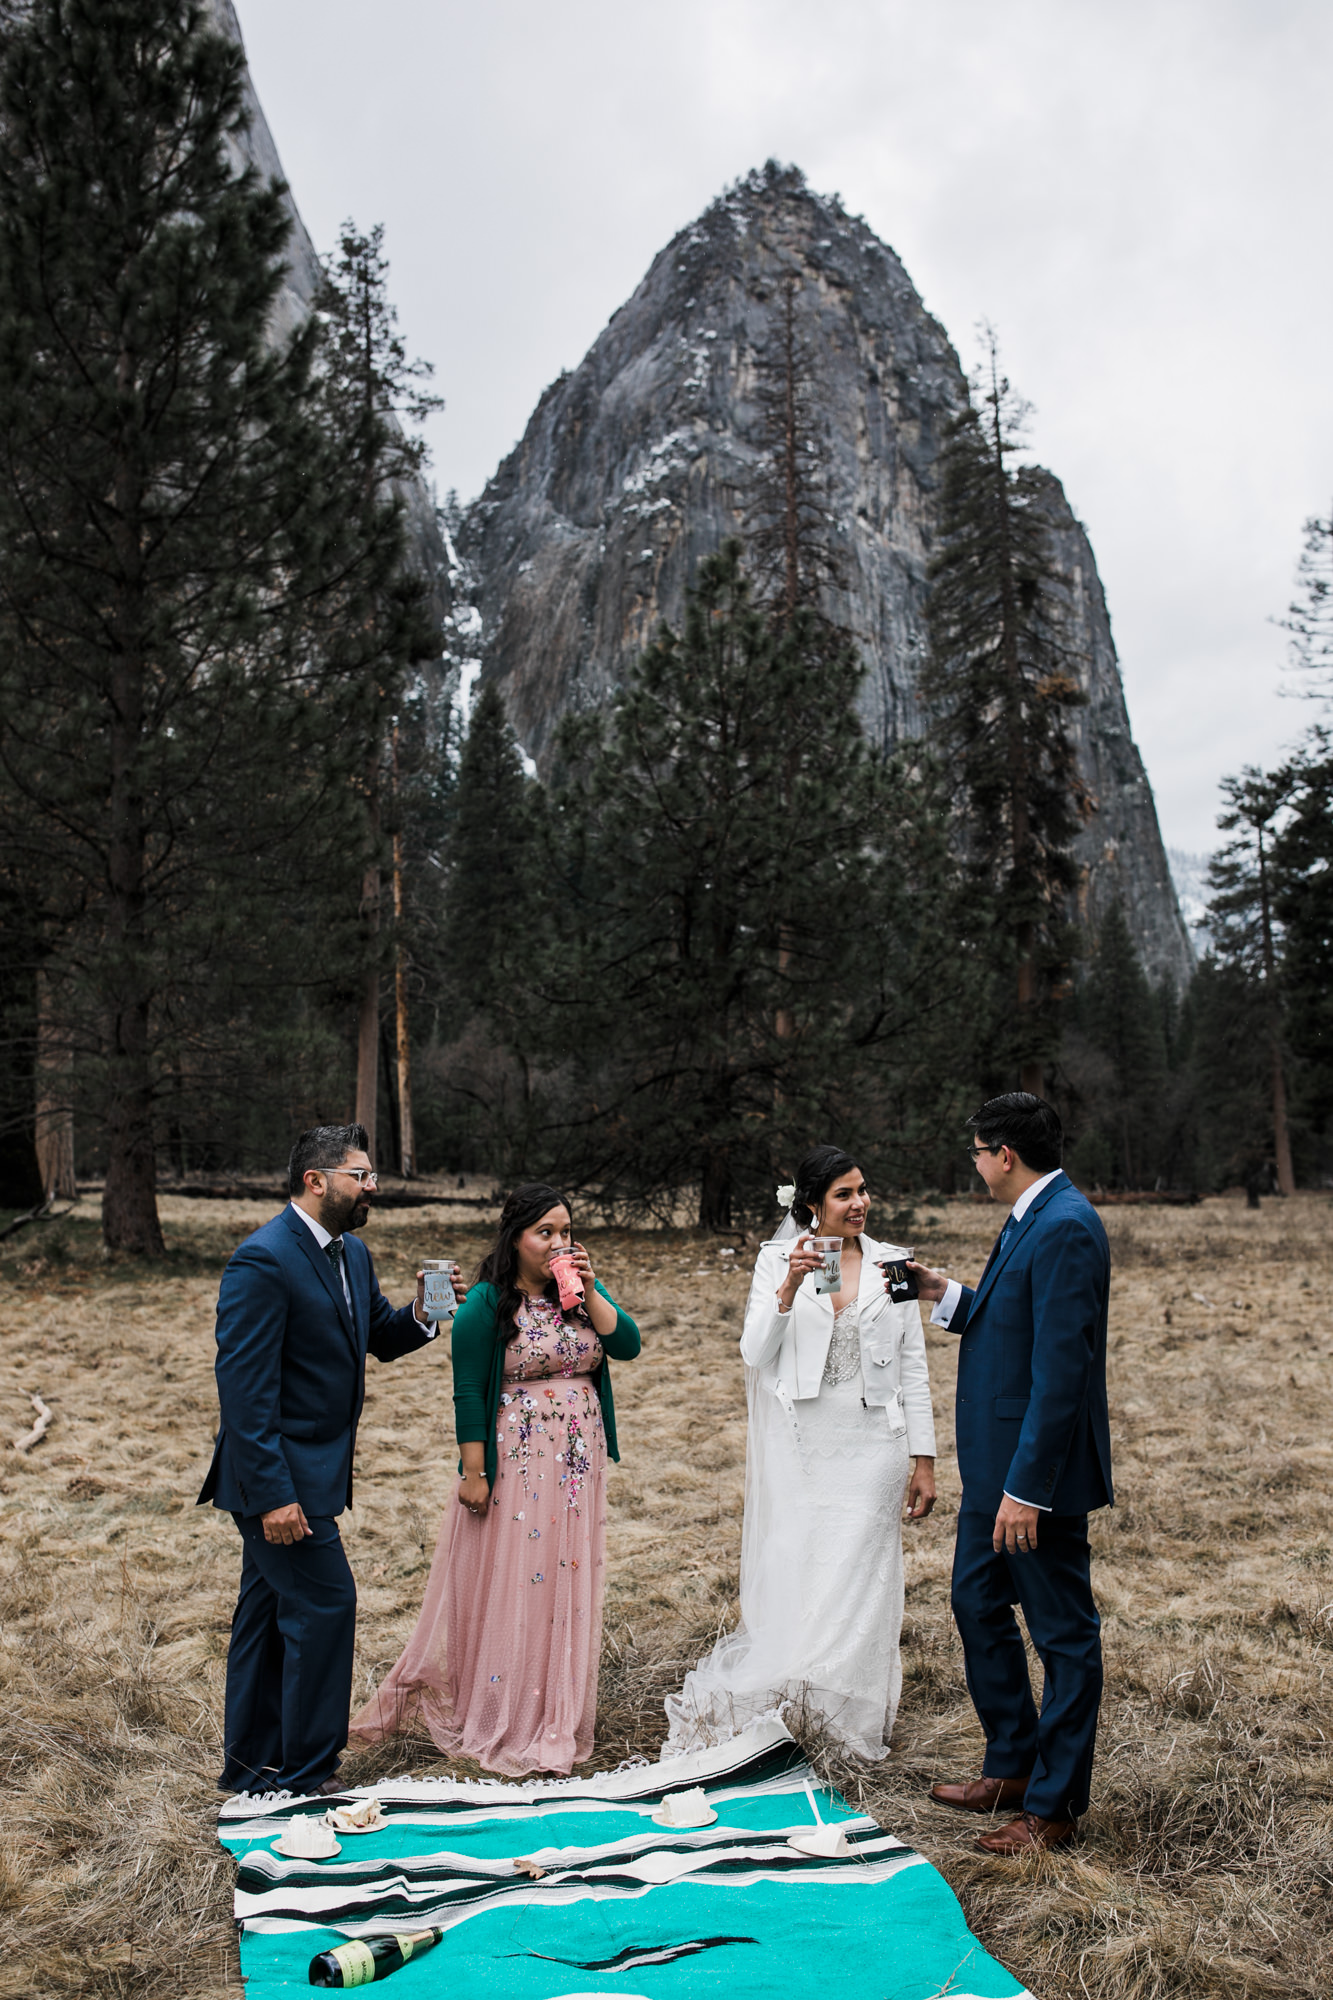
x,y
1031,1416
291,1369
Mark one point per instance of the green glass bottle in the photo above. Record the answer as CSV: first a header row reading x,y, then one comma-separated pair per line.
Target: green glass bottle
x,y
361,1961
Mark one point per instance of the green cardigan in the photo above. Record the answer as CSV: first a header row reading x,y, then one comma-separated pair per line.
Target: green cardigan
x,y
479,1370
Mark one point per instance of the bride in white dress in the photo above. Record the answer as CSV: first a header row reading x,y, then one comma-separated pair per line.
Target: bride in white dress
x,y
840,1433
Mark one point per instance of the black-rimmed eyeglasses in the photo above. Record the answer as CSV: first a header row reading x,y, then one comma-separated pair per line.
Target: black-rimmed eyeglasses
x,y
974,1153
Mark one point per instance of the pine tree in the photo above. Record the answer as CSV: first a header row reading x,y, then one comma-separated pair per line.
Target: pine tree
x,y
1302,857
481,938
1243,925
495,896
1309,617
1225,1032
1122,1019
751,955
790,544
1001,684
189,621
373,400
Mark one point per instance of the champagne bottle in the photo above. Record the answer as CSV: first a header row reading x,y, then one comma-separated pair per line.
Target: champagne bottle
x,y
361,1961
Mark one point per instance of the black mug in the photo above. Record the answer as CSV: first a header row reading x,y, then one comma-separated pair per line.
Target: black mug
x,y
900,1283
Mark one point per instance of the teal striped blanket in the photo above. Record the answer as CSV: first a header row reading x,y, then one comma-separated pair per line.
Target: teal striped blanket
x,y
609,1904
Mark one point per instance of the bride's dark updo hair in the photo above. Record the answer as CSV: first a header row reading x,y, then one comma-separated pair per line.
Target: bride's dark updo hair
x,y
814,1176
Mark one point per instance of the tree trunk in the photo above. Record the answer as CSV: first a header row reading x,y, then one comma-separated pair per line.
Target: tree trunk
x,y
1031,1075
129,1199
1286,1179
368,1020
390,1095
53,1135
407,1151
784,1021
715,1191
407,1162
368,1025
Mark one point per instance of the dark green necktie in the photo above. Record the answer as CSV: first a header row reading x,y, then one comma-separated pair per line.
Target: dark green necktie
x,y
334,1252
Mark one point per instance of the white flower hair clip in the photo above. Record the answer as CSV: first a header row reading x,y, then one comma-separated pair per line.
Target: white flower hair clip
x,y
786,1195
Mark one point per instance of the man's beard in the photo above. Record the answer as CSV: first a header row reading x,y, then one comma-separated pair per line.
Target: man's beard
x,y
339,1213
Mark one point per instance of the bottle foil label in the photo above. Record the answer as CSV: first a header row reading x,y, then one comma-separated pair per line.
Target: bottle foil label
x,y
357,1961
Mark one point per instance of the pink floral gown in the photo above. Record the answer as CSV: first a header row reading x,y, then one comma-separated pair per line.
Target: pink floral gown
x,y
502,1666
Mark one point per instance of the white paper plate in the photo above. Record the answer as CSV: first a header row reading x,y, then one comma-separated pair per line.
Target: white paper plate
x,y
691,1826
280,1847
825,1843
375,1826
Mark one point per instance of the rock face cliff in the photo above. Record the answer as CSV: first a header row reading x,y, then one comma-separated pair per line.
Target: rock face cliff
x,y
635,466
425,540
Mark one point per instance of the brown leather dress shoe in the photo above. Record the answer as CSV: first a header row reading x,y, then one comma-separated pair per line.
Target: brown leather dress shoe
x,y
1028,1834
981,1795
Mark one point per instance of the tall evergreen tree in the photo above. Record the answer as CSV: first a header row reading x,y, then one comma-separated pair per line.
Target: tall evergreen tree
x,y
1002,684
1122,1020
754,947
1309,617
1225,1031
495,897
791,548
188,623
374,401
1243,924
482,946
1303,906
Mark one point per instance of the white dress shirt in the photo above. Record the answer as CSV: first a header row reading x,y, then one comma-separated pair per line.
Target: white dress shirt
x,y
953,1291
323,1238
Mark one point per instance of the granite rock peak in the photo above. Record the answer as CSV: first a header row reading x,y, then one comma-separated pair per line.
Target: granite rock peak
x,y
635,465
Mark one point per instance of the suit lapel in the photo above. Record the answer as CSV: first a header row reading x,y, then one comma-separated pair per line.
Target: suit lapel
x,y
328,1277
1000,1257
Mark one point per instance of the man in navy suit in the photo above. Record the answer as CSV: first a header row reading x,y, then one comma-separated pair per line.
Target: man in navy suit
x,y
298,1311
1034,1451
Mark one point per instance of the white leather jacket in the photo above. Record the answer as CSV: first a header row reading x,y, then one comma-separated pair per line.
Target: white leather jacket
x,y
790,1349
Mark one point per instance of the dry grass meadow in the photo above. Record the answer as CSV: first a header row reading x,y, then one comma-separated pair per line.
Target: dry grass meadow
x,y
1207,1866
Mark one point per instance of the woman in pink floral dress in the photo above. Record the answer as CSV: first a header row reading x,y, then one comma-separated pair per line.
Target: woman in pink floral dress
x,y
502,1666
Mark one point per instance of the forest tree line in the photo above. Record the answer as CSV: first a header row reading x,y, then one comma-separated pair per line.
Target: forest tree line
x,y
257,871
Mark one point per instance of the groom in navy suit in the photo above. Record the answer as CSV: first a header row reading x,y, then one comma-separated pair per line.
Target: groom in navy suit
x,y
298,1311
1034,1451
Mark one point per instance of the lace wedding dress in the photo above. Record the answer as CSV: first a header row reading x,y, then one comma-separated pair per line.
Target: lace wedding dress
x,y
821,1570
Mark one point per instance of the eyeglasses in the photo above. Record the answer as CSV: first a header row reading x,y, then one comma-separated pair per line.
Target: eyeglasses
x,y
363,1176
975,1152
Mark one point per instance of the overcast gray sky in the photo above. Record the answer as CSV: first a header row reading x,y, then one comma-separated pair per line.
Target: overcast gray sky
x,y
1136,192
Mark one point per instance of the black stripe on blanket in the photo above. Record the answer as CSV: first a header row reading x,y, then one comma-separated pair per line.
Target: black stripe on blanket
x,y
433,1888
635,1954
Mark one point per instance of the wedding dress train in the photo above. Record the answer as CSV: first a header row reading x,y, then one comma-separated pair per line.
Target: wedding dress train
x,y
821,1568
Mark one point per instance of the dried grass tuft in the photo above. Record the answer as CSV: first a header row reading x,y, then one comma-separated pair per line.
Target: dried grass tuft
x,y
1205,1870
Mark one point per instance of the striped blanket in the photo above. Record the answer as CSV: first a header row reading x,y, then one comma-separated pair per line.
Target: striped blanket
x,y
610,1903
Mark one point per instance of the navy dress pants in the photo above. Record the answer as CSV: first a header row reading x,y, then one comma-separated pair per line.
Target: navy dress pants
x,y
289,1665
1053,1585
